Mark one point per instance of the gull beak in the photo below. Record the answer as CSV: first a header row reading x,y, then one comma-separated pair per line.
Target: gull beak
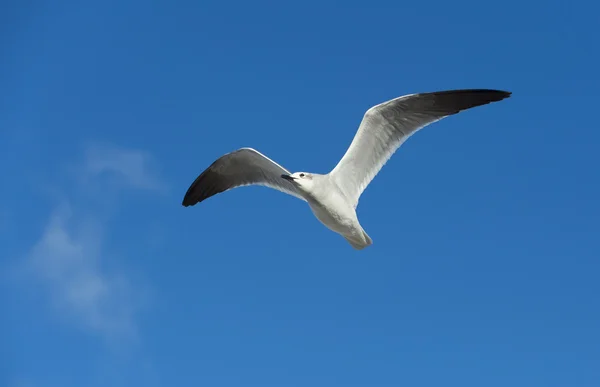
x,y
287,177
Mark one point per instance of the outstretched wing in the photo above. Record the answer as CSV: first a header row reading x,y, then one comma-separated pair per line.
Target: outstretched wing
x,y
386,126
242,167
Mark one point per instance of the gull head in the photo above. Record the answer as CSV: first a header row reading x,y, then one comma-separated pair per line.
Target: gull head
x,y
303,180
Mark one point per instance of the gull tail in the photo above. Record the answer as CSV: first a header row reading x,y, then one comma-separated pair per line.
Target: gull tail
x,y
359,243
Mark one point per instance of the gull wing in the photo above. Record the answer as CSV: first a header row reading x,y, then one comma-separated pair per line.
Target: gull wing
x,y
386,126
242,167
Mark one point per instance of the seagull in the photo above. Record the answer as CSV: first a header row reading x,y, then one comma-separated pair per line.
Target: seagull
x,y
333,197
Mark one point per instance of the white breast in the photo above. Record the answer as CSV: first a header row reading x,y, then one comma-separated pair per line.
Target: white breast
x,y
335,213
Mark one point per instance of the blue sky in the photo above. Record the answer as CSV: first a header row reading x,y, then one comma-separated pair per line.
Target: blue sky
x,y
485,263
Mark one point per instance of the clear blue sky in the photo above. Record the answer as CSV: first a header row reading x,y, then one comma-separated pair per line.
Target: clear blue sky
x,y
486,258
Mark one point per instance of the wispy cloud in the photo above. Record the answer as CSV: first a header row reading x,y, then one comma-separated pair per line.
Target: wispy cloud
x,y
134,168
70,259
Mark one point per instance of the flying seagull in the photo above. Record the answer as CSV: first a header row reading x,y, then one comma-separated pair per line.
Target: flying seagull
x,y
333,197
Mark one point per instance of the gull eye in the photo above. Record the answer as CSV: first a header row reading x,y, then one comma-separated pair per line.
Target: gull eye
x,y
302,175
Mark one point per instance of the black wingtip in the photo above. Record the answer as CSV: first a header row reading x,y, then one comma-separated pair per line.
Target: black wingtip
x,y
501,94
453,101
496,95
191,197
492,94
187,202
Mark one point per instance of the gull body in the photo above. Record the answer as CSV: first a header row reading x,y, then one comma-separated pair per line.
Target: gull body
x,y
333,197
330,206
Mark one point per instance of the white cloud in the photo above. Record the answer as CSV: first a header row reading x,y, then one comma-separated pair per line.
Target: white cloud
x,y
68,259
71,258
133,167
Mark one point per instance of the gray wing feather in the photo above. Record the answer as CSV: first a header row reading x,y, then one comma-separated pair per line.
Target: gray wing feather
x,y
242,167
386,126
